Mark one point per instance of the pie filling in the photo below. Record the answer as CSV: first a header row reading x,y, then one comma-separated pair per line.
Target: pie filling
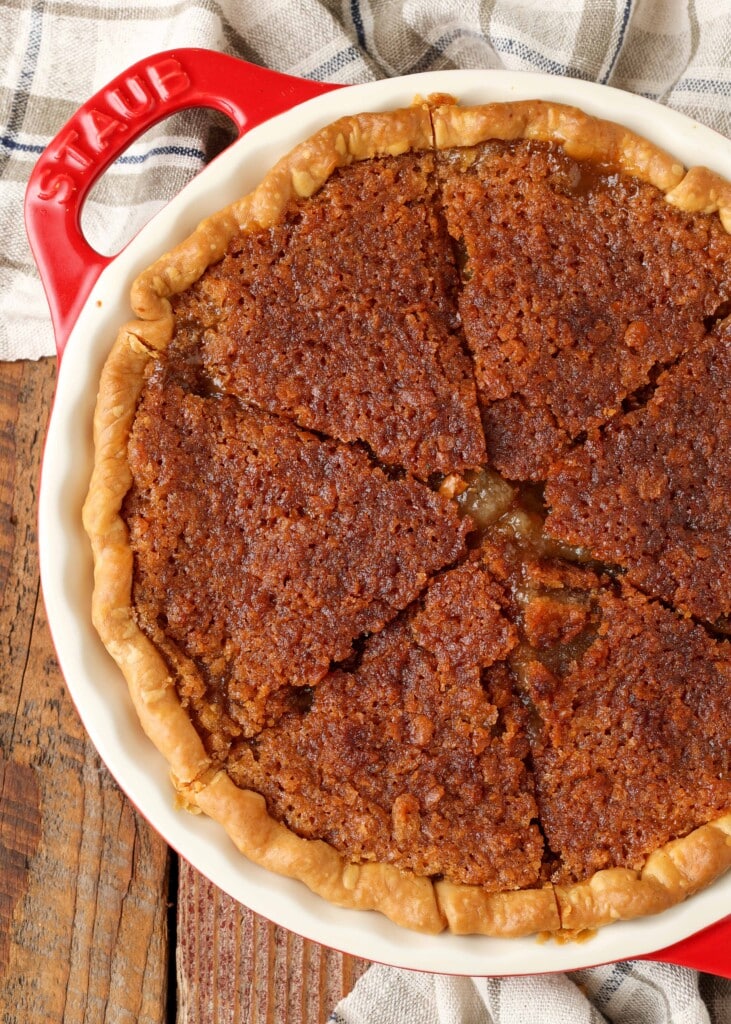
x,y
430,515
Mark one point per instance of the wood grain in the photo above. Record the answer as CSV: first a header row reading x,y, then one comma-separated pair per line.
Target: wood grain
x,y
84,880
235,967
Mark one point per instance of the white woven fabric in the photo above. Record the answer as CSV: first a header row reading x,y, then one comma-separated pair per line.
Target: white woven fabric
x,y
53,56
624,993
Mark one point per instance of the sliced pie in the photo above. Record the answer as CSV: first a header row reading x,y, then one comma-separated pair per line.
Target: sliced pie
x,y
410,518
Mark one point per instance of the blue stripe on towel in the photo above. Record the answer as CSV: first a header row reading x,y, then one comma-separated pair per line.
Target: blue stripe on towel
x,y
11,142
191,151
620,40
703,85
334,63
358,23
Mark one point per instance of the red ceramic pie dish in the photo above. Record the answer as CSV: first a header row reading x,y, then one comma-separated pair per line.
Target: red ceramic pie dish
x,y
88,297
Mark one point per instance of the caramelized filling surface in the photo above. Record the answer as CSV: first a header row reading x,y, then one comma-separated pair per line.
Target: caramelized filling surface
x,y
578,284
363,276
651,491
264,551
427,645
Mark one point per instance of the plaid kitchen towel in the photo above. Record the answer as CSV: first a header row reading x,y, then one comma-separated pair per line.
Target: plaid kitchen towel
x,y
54,55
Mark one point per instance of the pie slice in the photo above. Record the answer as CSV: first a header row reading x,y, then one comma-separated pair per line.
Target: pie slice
x,y
408,519
650,491
630,747
364,277
415,755
566,304
262,552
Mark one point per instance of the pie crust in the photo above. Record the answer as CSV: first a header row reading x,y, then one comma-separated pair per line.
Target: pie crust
x,y
671,873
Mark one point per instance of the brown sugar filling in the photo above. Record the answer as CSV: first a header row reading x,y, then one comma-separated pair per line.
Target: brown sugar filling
x,y
651,490
363,275
451,682
417,756
275,549
578,282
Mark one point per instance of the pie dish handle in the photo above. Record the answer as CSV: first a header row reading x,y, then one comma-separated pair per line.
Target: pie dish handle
x,y
708,950
138,98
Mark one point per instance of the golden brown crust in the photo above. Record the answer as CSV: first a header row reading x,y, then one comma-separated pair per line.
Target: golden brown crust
x,y
470,910
402,896
671,873
150,685
405,898
703,191
583,137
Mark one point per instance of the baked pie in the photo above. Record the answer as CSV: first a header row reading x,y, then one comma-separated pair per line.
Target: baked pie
x,y
410,518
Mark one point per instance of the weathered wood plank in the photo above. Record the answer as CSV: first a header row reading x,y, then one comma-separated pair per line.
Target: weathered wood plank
x,y
83,879
235,967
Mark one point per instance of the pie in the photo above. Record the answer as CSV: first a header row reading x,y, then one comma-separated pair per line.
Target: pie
x,y
410,518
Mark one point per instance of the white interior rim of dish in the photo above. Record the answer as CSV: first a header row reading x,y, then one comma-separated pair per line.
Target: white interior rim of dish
x,y
95,683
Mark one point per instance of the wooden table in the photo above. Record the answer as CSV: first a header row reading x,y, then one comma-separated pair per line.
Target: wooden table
x,y
99,920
